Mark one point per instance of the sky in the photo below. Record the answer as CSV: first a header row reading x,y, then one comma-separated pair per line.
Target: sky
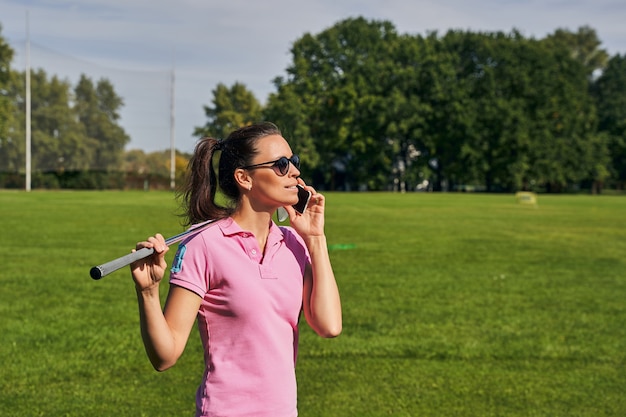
x,y
164,58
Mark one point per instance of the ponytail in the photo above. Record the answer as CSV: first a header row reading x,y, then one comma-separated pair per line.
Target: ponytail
x,y
200,187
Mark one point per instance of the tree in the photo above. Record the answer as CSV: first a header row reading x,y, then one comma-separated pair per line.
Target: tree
x,y
12,142
370,108
287,109
584,47
7,145
449,116
337,80
517,112
417,88
152,170
609,91
491,135
69,132
233,107
103,139
55,130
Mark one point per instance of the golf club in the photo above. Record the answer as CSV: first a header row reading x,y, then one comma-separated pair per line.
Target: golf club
x,y
100,271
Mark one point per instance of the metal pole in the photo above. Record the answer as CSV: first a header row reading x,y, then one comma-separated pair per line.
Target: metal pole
x,y
172,136
28,139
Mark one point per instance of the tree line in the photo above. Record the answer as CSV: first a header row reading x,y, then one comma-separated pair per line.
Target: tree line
x,y
368,108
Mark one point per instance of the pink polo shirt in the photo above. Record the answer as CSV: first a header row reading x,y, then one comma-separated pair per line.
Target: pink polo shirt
x,y
248,319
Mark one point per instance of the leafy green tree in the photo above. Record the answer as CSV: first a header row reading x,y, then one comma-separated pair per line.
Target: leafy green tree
x,y
520,113
337,79
68,133
417,85
138,164
289,112
564,120
583,45
372,107
449,113
233,107
491,137
7,147
12,157
103,139
55,130
609,91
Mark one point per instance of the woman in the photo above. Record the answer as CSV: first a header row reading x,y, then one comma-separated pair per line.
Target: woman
x,y
244,279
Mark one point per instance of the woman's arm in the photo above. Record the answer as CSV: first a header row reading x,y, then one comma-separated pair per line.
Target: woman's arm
x,y
164,333
320,296
321,301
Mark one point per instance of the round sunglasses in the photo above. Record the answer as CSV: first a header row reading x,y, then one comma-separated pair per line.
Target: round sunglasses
x,y
280,166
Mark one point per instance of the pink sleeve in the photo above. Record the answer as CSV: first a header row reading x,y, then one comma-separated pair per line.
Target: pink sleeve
x,y
189,268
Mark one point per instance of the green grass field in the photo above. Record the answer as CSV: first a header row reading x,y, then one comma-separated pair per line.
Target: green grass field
x,y
454,305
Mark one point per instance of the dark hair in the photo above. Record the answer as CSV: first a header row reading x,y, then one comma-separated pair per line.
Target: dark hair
x,y
200,187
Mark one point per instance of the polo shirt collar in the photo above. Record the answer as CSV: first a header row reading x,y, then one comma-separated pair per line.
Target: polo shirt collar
x,y
230,227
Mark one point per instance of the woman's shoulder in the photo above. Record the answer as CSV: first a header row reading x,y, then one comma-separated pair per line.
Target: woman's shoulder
x,y
201,231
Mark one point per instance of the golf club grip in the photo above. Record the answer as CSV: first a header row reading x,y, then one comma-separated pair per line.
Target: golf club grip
x,y
100,271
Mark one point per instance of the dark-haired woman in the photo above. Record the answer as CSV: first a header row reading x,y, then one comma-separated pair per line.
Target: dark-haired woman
x,y
244,280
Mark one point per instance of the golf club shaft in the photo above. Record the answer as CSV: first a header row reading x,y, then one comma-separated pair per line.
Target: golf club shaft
x,y
100,271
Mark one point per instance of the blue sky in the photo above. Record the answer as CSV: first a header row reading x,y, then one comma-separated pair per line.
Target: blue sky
x,y
138,44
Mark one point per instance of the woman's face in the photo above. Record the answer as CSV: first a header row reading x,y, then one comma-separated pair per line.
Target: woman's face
x,y
268,187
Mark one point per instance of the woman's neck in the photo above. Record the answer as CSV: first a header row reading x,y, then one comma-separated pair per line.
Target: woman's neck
x,y
257,223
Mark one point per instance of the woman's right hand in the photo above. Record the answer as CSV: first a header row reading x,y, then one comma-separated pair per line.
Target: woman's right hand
x,y
149,271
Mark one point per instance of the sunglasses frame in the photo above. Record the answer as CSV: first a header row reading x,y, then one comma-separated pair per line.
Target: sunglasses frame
x,y
275,166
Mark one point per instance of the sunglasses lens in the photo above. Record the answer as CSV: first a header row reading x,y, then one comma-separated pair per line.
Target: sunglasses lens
x,y
295,161
283,165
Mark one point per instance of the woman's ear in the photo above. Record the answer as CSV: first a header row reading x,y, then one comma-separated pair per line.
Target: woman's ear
x,y
243,178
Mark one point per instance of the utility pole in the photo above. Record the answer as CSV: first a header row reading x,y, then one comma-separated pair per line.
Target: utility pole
x,y
28,139
172,134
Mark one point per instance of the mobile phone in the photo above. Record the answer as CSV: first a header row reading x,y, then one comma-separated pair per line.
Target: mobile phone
x,y
303,199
